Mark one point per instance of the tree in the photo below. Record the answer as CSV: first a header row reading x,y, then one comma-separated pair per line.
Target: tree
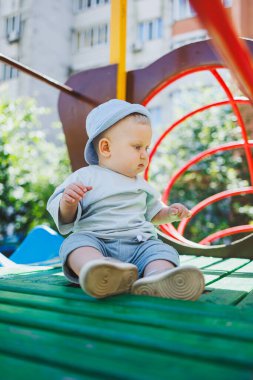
x,y
30,167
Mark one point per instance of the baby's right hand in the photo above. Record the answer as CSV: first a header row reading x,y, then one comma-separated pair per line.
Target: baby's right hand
x,y
73,193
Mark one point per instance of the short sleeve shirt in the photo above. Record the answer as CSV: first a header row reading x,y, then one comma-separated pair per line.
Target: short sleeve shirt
x,y
117,207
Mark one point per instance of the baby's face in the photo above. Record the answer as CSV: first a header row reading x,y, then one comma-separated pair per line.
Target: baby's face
x,y
129,143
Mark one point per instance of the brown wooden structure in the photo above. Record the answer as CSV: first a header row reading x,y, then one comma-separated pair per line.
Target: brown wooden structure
x,y
100,85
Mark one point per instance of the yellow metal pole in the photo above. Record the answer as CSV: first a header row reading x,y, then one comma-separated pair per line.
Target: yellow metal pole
x,y
118,43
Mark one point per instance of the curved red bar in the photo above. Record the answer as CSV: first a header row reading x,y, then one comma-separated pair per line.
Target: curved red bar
x,y
184,118
240,122
232,49
198,158
175,78
169,228
214,198
227,232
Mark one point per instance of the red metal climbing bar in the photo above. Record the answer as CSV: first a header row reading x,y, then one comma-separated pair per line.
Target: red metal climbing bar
x,y
240,122
224,38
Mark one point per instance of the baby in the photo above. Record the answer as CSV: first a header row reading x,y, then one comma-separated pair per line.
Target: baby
x,y
111,212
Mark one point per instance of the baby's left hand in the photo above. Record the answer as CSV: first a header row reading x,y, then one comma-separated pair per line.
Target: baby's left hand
x,y
178,211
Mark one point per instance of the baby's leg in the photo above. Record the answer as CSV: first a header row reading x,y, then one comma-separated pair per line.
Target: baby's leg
x,y
80,256
157,266
101,276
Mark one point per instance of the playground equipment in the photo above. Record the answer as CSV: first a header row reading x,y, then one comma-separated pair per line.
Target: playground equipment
x,y
142,86
83,91
40,246
53,329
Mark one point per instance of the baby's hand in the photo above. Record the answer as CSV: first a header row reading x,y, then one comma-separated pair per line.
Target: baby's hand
x,y
74,192
179,211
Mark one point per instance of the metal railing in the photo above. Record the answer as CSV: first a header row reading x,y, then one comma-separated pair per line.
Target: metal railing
x,y
44,78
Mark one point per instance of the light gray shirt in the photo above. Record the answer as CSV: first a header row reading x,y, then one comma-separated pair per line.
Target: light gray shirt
x,y
118,207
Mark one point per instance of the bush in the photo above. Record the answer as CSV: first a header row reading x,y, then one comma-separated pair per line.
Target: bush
x,y
30,167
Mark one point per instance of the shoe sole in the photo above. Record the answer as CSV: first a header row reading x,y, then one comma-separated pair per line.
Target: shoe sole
x,y
184,283
100,278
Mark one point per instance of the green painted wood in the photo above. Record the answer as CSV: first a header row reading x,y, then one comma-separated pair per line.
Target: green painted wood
x,y
246,302
73,351
175,319
229,265
44,319
144,337
46,322
223,296
239,279
185,258
142,302
24,369
50,276
246,268
110,362
221,269
202,262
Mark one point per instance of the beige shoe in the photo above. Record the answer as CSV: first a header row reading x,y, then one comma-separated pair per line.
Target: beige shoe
x,y
101,278
185,283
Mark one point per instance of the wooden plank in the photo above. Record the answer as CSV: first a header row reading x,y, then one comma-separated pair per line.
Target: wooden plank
x,y
73,351
223,296
25,369
70,293
56,327
203,262
189,322
218,277
218,270
246,269
177,320
229,265
237,280
187,344
100,360
208,325
247,302
185,258
214,295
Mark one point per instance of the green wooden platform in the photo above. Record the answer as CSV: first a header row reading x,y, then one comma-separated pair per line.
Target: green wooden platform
x,y
50,329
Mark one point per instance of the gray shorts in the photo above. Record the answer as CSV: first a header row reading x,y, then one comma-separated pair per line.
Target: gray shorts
x,y
129,251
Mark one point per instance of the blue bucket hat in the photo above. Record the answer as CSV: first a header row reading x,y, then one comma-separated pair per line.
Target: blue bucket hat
x,y
103,117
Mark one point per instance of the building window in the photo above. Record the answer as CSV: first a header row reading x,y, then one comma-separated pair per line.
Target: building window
x,y
93,36
82,5
150,30
9,72
182,9
103,34
12,28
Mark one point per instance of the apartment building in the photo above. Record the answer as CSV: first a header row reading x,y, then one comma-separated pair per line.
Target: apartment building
x,y
62,37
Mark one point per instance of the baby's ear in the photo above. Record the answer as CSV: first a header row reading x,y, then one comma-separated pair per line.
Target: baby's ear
x,y
104,147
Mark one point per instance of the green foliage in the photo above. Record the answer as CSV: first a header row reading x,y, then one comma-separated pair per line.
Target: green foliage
x,y
31,167
211,175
